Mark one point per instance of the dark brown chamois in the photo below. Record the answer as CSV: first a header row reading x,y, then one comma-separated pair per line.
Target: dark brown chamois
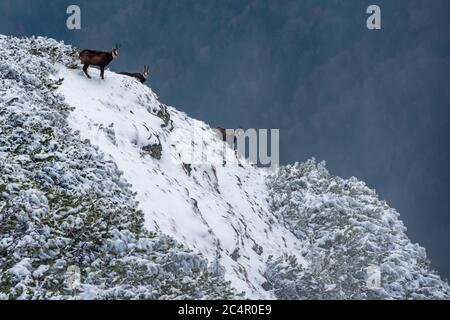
x,y
228,135
98,58
142,77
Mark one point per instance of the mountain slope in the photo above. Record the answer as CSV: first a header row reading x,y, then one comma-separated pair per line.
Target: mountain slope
x,y
101,176
64,207
218,210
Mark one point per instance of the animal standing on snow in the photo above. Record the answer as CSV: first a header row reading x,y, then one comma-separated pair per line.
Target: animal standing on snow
x,y
230,136
142,77
98,58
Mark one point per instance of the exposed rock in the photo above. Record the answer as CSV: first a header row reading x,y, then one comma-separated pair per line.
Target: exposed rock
x,y
235,255
164,114
267,286
258,249
187,168
154,150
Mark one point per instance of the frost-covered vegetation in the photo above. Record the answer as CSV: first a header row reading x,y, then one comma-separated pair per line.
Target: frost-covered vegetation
x,y
62,204
345,229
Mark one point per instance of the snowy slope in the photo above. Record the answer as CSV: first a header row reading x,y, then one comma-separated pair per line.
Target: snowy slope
x,y
64,203
70,227
218,210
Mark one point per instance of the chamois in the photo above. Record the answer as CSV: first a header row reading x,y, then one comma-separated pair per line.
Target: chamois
x,y
228,135
142,77
98,58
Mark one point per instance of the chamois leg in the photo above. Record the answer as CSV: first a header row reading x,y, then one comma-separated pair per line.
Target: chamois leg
x,y
85,69
102,72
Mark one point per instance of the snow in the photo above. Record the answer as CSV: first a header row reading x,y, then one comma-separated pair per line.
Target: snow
x,y
21,269
39,272
218,211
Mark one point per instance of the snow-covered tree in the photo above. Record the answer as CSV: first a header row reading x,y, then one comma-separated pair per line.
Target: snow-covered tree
x,y
346,229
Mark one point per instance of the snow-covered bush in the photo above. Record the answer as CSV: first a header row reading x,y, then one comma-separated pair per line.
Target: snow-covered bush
x,y
62,205
346,229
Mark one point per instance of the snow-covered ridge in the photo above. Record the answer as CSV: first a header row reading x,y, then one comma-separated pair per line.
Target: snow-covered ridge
x,y
218,210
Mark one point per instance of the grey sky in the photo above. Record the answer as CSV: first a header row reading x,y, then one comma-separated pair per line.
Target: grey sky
x,y
373,104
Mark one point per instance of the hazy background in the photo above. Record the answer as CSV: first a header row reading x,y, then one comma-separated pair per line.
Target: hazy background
x,y
373,104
